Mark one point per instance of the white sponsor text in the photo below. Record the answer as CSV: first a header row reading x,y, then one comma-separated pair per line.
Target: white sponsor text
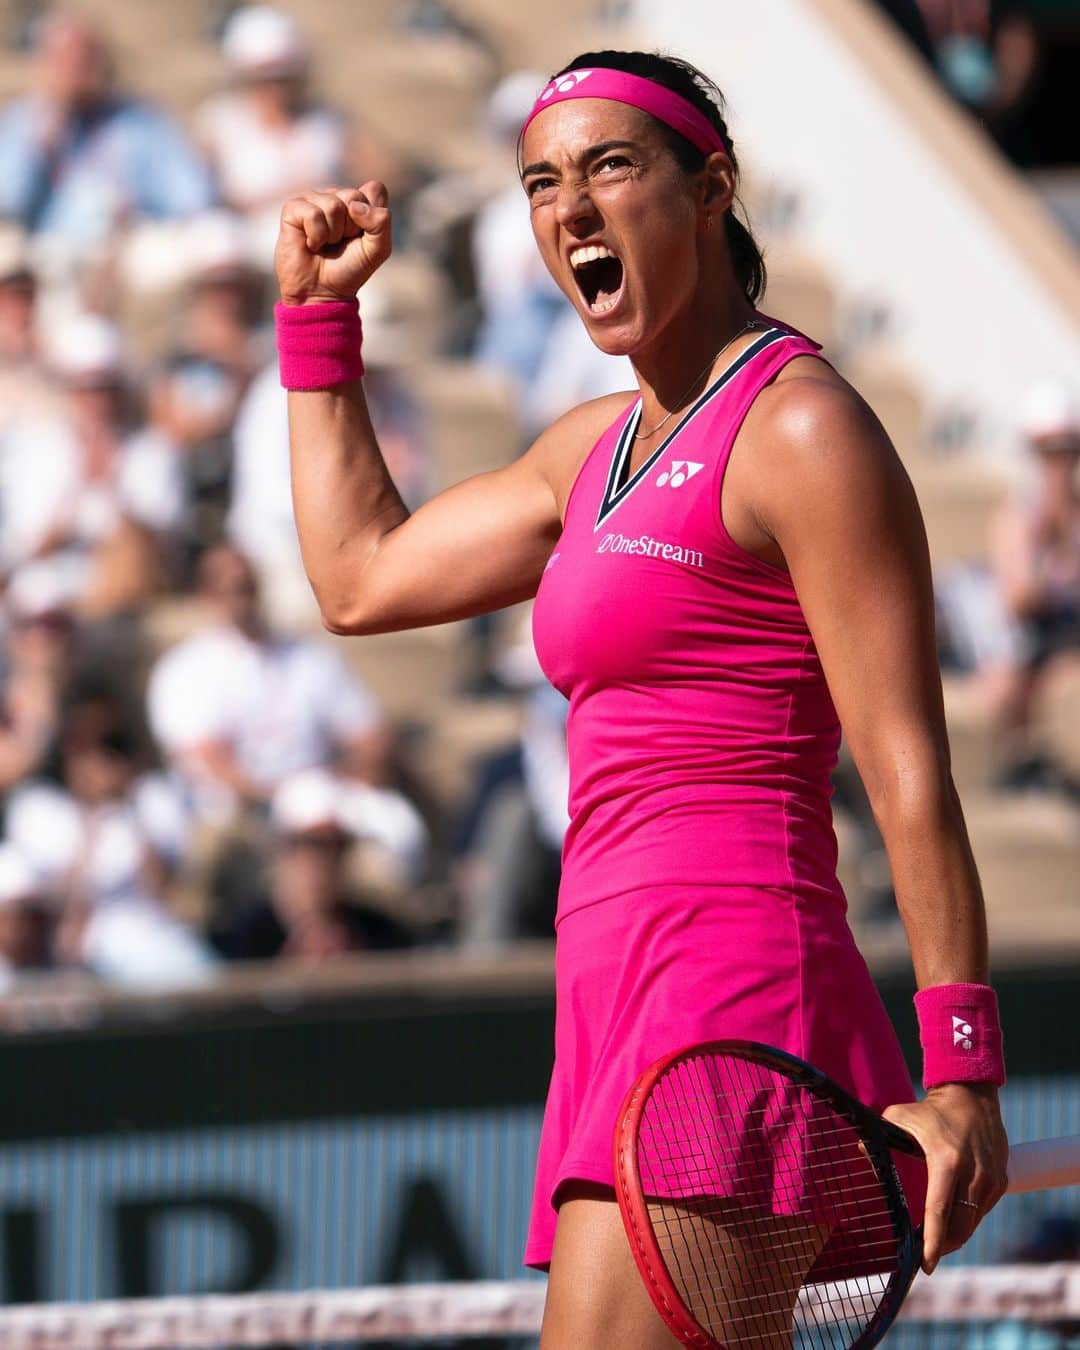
x,y
646,546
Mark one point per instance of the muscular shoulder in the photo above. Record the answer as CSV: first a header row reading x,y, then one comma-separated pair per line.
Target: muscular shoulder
x,y
819,457
559,452
810,430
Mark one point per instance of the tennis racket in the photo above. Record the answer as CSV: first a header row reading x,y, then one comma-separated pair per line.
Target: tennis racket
x,y
763,1201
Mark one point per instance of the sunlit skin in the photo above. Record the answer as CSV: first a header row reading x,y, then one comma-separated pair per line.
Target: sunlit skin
x,y
599,172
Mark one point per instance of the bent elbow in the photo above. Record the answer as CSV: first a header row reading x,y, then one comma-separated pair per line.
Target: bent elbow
x,y
344,616
339,627
342,622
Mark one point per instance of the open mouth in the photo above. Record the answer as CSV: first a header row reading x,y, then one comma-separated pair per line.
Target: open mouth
x,y
599,276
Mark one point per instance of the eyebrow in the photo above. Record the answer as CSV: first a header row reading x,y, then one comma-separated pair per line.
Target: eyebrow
x,y
545,166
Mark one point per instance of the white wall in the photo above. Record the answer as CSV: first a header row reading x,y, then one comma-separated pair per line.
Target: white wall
x,y
883,212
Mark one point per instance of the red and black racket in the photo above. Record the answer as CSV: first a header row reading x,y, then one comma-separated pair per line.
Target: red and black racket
x,y
763,1202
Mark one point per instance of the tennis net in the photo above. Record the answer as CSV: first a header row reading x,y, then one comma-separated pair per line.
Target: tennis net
x,y
1033,1306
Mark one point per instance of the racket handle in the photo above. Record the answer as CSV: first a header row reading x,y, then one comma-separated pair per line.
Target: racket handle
x,y
1044,1165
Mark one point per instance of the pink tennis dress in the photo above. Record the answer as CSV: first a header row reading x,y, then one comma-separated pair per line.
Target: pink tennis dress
x,y
699,897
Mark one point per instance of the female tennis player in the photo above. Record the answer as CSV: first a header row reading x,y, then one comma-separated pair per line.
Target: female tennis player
x,y
728,564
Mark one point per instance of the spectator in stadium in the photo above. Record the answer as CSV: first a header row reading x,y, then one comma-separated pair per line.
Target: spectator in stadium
x,y
237,709
80,491
109,827
224,296
264,135
38,649
195,391
25,926
1036,562
24,385
308,913
986,53
103,842
77,158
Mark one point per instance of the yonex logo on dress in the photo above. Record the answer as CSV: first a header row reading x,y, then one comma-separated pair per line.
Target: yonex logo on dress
x,y
681,471
645,545
961,1033
565,84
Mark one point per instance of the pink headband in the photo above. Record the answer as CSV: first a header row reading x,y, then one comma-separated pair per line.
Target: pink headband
x,y
665,105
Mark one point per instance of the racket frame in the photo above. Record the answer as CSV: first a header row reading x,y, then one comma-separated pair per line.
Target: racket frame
x,y
878,1136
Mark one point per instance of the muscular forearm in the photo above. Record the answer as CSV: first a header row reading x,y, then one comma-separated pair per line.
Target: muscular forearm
x,y
344,497
936,882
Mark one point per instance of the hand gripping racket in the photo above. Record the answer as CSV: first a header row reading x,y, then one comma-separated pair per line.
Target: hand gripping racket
x,y
762,1201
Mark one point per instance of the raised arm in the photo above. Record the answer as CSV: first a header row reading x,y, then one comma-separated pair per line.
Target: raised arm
x,y
374,567
835,498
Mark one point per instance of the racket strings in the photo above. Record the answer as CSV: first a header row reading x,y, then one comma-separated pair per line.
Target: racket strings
x,y
757,1316
761,1199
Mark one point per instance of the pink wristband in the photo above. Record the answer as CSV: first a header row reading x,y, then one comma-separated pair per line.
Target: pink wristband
x,y
319,345
960,1034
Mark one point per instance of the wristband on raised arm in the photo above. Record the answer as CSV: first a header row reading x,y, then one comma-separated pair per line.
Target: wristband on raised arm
x,y
319,345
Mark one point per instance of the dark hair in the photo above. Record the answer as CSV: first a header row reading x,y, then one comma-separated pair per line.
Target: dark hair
x,y
696,87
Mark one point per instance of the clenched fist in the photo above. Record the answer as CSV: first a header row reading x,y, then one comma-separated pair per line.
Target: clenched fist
x,y
330,242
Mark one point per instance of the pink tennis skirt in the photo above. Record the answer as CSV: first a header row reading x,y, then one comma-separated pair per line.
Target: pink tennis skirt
x,y
648,972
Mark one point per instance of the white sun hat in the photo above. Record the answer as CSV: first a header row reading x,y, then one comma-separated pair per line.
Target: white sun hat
x,y
86,347
309,802
19,882
16,258
263,40
216,244
1050,411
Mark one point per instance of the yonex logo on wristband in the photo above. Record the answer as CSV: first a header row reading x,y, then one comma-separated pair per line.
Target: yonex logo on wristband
x,y
961,1033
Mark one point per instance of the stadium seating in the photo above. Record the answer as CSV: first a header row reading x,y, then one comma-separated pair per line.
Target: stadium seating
x,y
423,94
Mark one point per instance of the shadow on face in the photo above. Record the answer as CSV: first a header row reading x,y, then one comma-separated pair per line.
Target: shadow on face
x,y
73,60
228,581
23,933
98,752
17,296
1058,458
309,874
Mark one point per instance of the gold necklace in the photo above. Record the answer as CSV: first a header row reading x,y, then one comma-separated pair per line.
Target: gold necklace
x,y
645,435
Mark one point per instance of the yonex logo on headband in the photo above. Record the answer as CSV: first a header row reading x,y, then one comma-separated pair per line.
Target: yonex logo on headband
x,y
564,84
637,91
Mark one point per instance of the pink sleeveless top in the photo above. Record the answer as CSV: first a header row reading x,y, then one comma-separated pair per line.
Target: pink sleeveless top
x,y
701,733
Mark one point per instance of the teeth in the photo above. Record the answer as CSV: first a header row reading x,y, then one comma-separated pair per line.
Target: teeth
x,y
589,253
602,306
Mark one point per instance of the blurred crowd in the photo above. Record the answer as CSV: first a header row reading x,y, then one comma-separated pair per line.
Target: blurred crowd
x,y
191,773
995,58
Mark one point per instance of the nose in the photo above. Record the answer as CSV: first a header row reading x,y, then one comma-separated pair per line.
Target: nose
x,y
574,207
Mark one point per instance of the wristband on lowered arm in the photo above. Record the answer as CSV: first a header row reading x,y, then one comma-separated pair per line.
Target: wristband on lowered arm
x,y
960,1032
319,345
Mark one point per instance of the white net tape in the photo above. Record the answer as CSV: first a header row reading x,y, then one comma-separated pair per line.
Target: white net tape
x,y
485,1308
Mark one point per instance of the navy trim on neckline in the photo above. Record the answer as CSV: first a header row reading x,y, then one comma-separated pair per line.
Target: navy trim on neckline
x,y
614,493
